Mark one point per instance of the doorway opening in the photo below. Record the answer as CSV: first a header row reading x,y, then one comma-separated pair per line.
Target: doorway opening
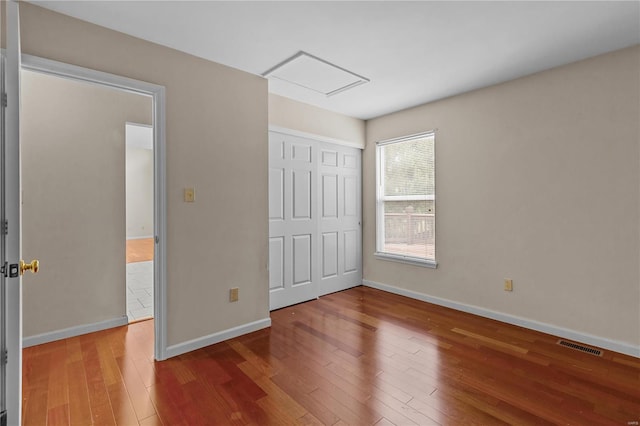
x,y
139,208
154,119
74,156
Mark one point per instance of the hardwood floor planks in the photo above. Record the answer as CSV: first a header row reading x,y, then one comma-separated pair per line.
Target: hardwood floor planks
x,y
58,384
411,415
153,420
58,414
349,410
140,399
275,395
296,388
360,357
121,404
79,404
34,408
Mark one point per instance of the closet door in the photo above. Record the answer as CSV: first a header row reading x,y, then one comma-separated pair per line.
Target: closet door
x,y
292,220
340,237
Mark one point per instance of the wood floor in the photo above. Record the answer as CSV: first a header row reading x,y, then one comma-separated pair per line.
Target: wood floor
x,y
360,357
140,250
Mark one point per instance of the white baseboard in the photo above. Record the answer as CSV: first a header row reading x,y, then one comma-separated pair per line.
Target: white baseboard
x,y
78,330
613,345
201,342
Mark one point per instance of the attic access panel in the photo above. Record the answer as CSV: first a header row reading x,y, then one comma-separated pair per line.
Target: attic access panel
x,y
316,74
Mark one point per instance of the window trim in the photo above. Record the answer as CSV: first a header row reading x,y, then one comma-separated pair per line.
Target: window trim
x,y
409,260
381,198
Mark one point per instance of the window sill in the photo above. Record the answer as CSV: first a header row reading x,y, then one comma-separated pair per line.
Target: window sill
x,y
406,259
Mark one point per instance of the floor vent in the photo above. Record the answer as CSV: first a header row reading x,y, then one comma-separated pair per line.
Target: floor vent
x,y
581,348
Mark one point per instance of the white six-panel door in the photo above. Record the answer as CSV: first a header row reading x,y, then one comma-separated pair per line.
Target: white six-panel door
x,y
315,240
340,239
292,220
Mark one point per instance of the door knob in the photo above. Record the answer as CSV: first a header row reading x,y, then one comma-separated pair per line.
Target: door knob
x,y
33,266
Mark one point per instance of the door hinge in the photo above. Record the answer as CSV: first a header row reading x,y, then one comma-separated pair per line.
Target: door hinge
x,y
4,357
5,227
4,100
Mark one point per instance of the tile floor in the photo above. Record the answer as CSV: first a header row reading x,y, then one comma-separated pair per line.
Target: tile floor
x,y
139,290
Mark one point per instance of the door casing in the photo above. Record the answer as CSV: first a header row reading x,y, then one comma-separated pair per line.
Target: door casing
x,y
157,92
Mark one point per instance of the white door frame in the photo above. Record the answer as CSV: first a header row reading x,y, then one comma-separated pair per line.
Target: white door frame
x,y
60,69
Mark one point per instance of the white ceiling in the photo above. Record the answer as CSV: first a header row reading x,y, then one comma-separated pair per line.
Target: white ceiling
x,y
413,52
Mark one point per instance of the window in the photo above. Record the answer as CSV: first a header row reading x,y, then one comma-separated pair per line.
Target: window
x,y
406,200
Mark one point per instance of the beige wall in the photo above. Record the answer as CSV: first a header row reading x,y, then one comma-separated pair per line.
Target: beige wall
x,y
538,181
139,190
294,115
73,166
217,142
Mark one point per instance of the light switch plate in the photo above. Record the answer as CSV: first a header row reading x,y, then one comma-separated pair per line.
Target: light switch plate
x,y
508,284
233,294
189,195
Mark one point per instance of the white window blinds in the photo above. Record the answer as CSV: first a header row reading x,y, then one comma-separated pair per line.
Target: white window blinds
x,y
406,198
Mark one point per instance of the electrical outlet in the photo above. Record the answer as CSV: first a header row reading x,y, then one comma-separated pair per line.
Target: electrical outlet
x,y
233,294
508,285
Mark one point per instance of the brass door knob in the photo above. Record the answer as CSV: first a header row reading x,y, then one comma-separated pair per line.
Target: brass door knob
x,y
34,266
